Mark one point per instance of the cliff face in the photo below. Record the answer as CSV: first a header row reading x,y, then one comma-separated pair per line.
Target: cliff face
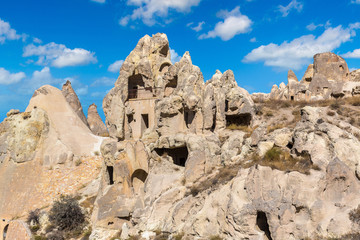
x,y
190,157
39,151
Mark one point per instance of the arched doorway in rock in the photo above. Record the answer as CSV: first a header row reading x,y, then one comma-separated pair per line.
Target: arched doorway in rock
x,y
138,179
262,223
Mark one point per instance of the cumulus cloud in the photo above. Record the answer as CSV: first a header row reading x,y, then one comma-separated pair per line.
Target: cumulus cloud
x,y
58,55
7,78
174,56
298,52
148,10
199,27
353,54
7,33
234,23
99,1
115,67
293,5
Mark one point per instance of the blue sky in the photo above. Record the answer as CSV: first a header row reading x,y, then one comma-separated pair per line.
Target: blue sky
x,y
47,42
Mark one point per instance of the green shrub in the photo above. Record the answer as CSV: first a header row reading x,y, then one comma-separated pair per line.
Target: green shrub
x,y
66,214
38,237
33,217
178,236
56,235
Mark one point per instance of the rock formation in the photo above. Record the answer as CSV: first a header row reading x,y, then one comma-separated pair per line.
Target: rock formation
x,y
96,125
73,100
43,141
327,78
196,158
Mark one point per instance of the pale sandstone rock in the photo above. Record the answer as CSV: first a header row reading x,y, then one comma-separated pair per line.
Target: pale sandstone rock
x,y
73,100
96,125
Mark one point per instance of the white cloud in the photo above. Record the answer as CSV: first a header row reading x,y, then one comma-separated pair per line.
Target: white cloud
x,y
313,26
285,10
7,78
99,1
353,54
298,52
104,81
199,27
234,23
7,33
253,40
355,1
115,67
58,55
148,10
174,56
37,40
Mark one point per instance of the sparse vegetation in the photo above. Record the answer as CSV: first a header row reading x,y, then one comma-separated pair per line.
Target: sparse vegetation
x,y
97,153
66,215
234,126
354,215
331,113
33,217
178,236
78,162
224,175
277,158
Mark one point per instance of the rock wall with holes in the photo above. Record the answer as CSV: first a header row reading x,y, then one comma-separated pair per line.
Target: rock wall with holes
x,y
328,77
182,154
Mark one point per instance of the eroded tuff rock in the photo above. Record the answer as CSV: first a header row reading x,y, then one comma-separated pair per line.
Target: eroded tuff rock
x,y
73,100
38,149
96,125
327,78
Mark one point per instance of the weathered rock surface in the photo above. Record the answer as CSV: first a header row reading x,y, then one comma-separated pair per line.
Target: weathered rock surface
x,y
39,148
73,100
96,125
327,78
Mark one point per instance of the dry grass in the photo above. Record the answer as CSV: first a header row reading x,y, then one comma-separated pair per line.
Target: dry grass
x,y
281,160
243,128
272,128
224,175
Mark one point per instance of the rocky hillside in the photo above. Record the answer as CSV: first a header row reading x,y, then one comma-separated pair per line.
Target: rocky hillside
x,y
188,159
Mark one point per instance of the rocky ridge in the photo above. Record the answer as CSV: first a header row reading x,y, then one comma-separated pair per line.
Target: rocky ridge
x,y
198,159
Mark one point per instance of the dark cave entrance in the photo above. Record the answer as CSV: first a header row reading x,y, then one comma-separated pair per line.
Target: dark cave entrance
x,y
243,119
189,117
110,172
262,223
178,155
5,231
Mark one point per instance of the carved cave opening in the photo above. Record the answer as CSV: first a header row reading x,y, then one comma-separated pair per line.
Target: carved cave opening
x,y
262,223
110,174
243,119
179,155
137,89
138,179
292,98
171,86
5,231
164,50
189,117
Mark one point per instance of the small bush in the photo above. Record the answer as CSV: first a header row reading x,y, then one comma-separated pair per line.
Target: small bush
x,y
178,236
331,113
34,228
33,217
78,162
38,237
354,215
66,214
97,153
56,235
